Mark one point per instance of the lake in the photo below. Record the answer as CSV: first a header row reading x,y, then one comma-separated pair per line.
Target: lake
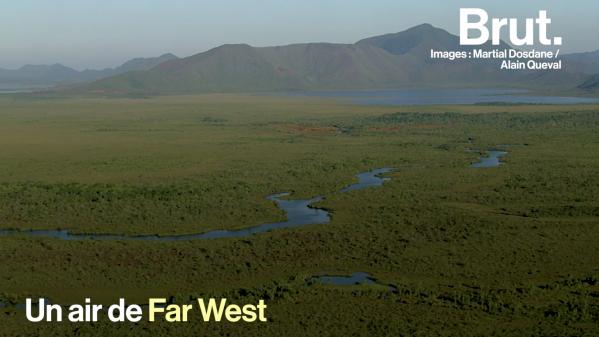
x,y
6,88
446,96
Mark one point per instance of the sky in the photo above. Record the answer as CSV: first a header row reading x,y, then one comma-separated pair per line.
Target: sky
x,y
105,33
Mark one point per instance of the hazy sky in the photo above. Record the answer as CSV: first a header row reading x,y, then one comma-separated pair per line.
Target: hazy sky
x,y
105,33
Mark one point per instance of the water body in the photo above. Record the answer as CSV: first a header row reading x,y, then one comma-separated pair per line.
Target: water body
x,y
358,278
492,159
6,88
369,179
353,279
299,213
446,96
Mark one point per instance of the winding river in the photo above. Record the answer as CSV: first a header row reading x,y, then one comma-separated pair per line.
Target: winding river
x,y
373,178
299,213
369,179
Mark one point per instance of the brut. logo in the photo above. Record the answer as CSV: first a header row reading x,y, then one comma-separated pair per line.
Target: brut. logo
x,y
474,20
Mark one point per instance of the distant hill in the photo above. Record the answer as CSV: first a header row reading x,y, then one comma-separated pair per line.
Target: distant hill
x,y
416,43
144,63
50,75
580,73
39,75
416,40
586,63
591,84
387,61
381,62
232,68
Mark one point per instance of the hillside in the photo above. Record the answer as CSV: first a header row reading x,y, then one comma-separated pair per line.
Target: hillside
x,y
244,68
586,63
591,84
416,40
388,61
380,62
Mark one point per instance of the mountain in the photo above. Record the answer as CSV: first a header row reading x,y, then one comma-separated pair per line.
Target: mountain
x,y
387,61
381,62
57,74
416,40
234,68
38,74
141,63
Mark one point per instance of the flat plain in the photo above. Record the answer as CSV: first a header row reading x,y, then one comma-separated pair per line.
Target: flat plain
x,y
510,250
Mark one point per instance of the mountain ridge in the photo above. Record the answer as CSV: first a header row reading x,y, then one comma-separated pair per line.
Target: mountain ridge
x,y
58,74
382,62
386,61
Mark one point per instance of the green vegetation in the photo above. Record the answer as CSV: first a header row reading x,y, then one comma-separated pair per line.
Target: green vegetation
x,y
506,251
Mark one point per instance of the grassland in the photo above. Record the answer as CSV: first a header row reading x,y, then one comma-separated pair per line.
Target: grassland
x,y
502,251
